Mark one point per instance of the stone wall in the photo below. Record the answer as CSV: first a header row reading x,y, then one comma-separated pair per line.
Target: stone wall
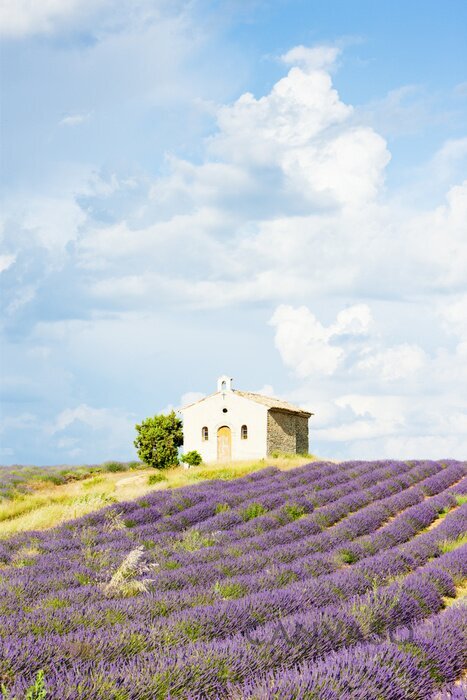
x,y
301,423
287,432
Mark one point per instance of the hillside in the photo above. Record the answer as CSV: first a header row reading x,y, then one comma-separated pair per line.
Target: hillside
x,y
36,498
327,581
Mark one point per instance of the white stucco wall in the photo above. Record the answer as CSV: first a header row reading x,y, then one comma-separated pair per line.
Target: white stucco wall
x,y
240,411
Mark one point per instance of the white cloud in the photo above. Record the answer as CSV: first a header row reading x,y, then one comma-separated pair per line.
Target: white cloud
x,y
290,188
265,390
312,58
6,261
53,222
298,108
310,348
95,418
404,110
354,320
348,169
75,119
451,150
453,314
304,343
406,402
394,363
22,421
191,397
292,148
185,400
111,429
22,17
437,242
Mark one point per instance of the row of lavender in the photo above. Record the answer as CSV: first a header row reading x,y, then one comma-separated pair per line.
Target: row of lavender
x,y
259,578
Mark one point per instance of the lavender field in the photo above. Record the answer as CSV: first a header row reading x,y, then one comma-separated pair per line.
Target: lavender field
x,y
326,582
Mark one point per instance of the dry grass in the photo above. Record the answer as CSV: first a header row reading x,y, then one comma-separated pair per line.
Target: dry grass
x,y
53,504
461,595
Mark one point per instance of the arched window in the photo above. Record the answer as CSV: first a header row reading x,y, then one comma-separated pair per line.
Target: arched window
x,y
224,385
244,432
204,434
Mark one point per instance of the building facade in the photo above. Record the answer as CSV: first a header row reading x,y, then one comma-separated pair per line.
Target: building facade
x,y
239,425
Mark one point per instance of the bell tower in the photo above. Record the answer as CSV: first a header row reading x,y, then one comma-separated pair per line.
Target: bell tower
x,y
224,383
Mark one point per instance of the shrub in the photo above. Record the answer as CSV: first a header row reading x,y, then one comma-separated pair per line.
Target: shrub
x,y
221,508
54,479
155,478
192,458
193,540
294,510
253,511
135,465
37,691
229,591
158,440
114,467
347,556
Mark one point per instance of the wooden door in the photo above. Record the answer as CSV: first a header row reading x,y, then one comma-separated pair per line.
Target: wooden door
x,y
224,444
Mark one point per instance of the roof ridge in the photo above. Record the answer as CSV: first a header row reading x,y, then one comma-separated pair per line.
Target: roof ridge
x,y
280,403
270,402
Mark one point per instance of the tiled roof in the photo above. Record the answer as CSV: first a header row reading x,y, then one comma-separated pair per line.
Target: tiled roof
x,y
271,402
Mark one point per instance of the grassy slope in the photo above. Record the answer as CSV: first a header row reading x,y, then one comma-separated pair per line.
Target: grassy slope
x,y
48,504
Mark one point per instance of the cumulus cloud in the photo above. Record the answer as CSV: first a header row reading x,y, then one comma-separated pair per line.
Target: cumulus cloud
x,y
114,430
313,58
296,111
307,346
437,241
288,179
404,397
310,348
394,363
289,187
54,222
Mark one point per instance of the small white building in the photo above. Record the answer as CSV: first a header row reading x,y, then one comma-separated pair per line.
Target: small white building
x,y
239,425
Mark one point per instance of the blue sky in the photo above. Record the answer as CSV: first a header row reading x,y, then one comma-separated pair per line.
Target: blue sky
x,y
275,190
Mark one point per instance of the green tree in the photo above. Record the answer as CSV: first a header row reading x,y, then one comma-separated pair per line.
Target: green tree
x,y
192,458
157,440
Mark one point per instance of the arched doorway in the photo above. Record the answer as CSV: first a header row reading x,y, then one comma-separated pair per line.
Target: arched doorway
x,y
224,444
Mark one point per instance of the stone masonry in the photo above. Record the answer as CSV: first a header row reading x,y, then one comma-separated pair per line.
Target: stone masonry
x,y
287,432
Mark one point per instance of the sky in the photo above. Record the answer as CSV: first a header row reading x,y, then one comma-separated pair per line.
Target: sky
x,y
270,189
